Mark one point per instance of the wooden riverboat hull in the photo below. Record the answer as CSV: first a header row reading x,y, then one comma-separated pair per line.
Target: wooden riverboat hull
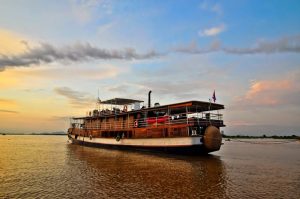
x,y
192,145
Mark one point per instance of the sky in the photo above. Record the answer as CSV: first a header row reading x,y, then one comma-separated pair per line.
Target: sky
x,y
56,55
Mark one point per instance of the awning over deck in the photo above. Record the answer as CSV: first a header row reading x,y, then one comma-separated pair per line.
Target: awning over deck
x,y
120,101
193,106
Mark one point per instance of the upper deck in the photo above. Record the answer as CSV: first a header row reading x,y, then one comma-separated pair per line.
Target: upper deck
x,y
119,107
119,117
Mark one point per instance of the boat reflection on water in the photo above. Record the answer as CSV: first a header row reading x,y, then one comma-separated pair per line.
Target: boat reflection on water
x,y
114,173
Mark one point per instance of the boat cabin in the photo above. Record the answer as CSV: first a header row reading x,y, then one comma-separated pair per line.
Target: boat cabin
x,y
121,118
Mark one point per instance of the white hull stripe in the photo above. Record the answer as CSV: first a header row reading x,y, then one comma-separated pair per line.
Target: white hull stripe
x,y
144,142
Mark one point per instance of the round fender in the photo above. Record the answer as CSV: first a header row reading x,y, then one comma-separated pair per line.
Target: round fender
x,y
212,138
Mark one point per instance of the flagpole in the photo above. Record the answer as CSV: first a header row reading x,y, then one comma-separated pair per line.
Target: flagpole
x,y
209,111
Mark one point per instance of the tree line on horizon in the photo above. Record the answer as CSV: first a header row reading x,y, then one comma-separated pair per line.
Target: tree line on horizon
x,y
262,136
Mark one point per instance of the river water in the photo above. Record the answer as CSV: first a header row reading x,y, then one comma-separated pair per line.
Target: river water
x,y
50,167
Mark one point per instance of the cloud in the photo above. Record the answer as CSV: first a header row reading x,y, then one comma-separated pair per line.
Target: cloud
x,y
76,99
182,78
270,93
94,71
212,7
101,72
118,88
288,44
8,104
260,87
8,111
47,53
217,8
213,31
7,101
172,90
284,44
106,28
11,43
193,48
87,10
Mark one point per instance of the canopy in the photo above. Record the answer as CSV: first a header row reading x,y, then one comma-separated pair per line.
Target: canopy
x,y
193,106
120,101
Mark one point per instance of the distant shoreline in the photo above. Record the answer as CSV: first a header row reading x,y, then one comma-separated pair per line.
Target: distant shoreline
x,y
262,137
64,134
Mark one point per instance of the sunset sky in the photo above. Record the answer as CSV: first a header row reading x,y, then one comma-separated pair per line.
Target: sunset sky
x,y
55,55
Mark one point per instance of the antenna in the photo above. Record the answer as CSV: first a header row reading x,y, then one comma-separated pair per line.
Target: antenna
x,y
98,99
98,103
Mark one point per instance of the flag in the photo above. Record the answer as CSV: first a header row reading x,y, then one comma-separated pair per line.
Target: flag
x,y
214,96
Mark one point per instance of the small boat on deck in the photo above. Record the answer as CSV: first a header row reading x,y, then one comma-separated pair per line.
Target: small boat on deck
x,y
190,126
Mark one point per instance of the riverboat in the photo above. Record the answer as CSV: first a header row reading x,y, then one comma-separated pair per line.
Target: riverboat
x,y
190,126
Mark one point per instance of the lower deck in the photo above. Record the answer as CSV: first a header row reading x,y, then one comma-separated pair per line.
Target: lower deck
x,y
166,145
209,141
142,142
182,129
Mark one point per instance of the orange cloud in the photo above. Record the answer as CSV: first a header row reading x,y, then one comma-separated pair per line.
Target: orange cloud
x,y
271,92
11,43
269,85
6,102
8,106
10,79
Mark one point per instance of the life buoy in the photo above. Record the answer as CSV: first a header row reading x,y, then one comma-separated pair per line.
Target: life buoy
x,y
125,108
135,124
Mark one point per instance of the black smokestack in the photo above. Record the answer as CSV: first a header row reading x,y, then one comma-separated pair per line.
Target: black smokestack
x,y
149,99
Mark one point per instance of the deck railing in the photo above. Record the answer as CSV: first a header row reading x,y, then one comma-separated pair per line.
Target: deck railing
x,y
191,120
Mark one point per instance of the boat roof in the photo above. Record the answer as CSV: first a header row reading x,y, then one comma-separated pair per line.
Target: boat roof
x,y
176,108
120,101
192,105
188,106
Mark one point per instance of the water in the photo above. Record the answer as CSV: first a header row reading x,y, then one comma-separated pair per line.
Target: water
x,y
49,167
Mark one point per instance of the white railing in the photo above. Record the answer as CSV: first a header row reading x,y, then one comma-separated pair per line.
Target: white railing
x,y
151,122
